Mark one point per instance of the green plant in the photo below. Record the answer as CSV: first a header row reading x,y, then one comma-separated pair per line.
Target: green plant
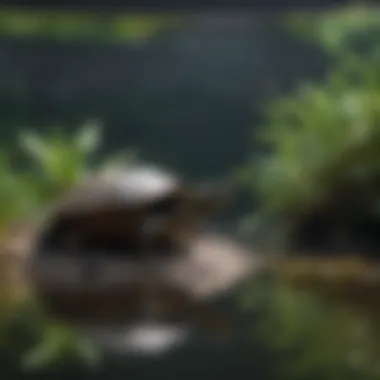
x,y
320,156
322,142
88,26
59,161
47,167
342,31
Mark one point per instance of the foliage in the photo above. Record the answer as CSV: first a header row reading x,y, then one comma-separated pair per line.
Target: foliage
x,y
320,150
45,168
342,31
60,161
322,136
321,144
313,336
88,26
31,342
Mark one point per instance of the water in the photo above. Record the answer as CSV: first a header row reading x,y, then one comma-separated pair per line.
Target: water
x,y
200,356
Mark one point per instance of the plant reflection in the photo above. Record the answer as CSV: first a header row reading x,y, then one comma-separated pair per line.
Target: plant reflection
x,y
322,323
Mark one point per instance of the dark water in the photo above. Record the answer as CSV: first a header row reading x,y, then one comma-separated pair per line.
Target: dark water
x,y
201,356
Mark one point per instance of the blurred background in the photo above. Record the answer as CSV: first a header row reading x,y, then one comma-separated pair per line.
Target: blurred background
x,y
286,104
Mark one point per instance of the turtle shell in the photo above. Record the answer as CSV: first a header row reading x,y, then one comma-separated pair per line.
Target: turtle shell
x,y
128,189
109,212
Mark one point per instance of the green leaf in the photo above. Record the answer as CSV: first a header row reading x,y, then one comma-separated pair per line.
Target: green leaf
x,y
89,137
35,147
88,352
46,354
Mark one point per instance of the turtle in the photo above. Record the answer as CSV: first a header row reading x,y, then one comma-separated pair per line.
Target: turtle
x,y
138,233
118,211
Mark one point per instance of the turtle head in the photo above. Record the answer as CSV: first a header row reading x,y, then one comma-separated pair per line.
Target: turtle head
x,y
179,216
211,196
195,202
